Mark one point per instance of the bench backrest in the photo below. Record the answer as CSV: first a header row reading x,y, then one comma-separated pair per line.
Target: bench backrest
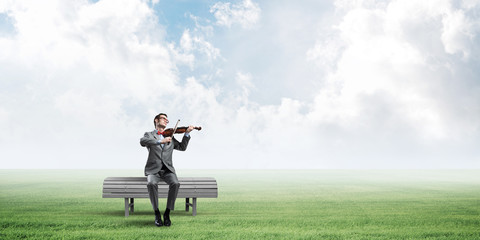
x,y
136,187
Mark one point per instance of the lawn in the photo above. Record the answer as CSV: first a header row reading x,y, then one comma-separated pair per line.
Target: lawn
x,y
252,204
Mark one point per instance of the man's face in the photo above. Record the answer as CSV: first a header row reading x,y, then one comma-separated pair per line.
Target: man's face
x,y
162,121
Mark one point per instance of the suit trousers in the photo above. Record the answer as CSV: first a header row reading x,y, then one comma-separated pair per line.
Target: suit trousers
x,y
173,185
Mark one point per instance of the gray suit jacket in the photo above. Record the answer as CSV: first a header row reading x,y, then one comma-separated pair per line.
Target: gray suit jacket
x,y
159,156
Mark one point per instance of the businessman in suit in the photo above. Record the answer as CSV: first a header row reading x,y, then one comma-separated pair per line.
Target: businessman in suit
x,y
159,165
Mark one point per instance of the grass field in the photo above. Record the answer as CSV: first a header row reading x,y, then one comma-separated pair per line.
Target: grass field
x,y
252,204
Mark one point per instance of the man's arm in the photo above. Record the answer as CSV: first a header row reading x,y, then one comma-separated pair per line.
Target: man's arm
x,y
181,146
147,140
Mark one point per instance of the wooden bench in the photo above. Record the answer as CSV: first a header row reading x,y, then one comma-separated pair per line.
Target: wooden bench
x,y
136,187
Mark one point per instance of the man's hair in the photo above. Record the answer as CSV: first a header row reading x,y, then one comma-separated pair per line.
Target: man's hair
x,y
158,117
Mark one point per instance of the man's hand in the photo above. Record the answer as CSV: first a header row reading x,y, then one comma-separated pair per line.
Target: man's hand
x,y
189,129
166,140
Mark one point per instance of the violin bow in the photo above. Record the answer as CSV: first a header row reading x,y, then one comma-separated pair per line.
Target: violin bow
x,y
175,129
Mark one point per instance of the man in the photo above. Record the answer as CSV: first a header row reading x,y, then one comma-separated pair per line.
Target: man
x,y
159,165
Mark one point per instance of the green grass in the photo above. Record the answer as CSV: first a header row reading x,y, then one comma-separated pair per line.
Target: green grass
x,y
297,204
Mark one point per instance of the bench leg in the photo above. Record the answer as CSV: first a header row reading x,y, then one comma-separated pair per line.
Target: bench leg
x,y
126,207
131,204
193,205
194,210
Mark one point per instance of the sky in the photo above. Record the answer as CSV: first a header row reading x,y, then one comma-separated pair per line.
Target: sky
x,y
340,84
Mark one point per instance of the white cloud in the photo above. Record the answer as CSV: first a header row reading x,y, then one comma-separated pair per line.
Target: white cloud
x,y
87,68
383,56
245,13
194,43
459,33
326,52
246,84
198,43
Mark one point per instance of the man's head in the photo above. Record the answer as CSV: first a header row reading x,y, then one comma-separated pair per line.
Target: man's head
x,y
161,120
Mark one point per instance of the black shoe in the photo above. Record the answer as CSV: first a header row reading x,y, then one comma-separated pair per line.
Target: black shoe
x,y
158,220
166,218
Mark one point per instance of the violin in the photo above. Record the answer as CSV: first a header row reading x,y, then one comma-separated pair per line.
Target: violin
x,y
169,131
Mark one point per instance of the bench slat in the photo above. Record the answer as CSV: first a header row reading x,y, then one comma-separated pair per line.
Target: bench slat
x,y
160,183
189,195
160,190
145,179
145,191
159,187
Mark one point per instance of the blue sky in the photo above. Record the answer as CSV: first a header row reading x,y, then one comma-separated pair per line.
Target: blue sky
x,y
175,15
274,84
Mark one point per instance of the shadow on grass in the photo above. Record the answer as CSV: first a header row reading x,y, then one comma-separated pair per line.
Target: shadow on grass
x,y
141,223
148,213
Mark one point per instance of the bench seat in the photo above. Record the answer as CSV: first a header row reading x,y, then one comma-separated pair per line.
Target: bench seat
x,y
130,188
